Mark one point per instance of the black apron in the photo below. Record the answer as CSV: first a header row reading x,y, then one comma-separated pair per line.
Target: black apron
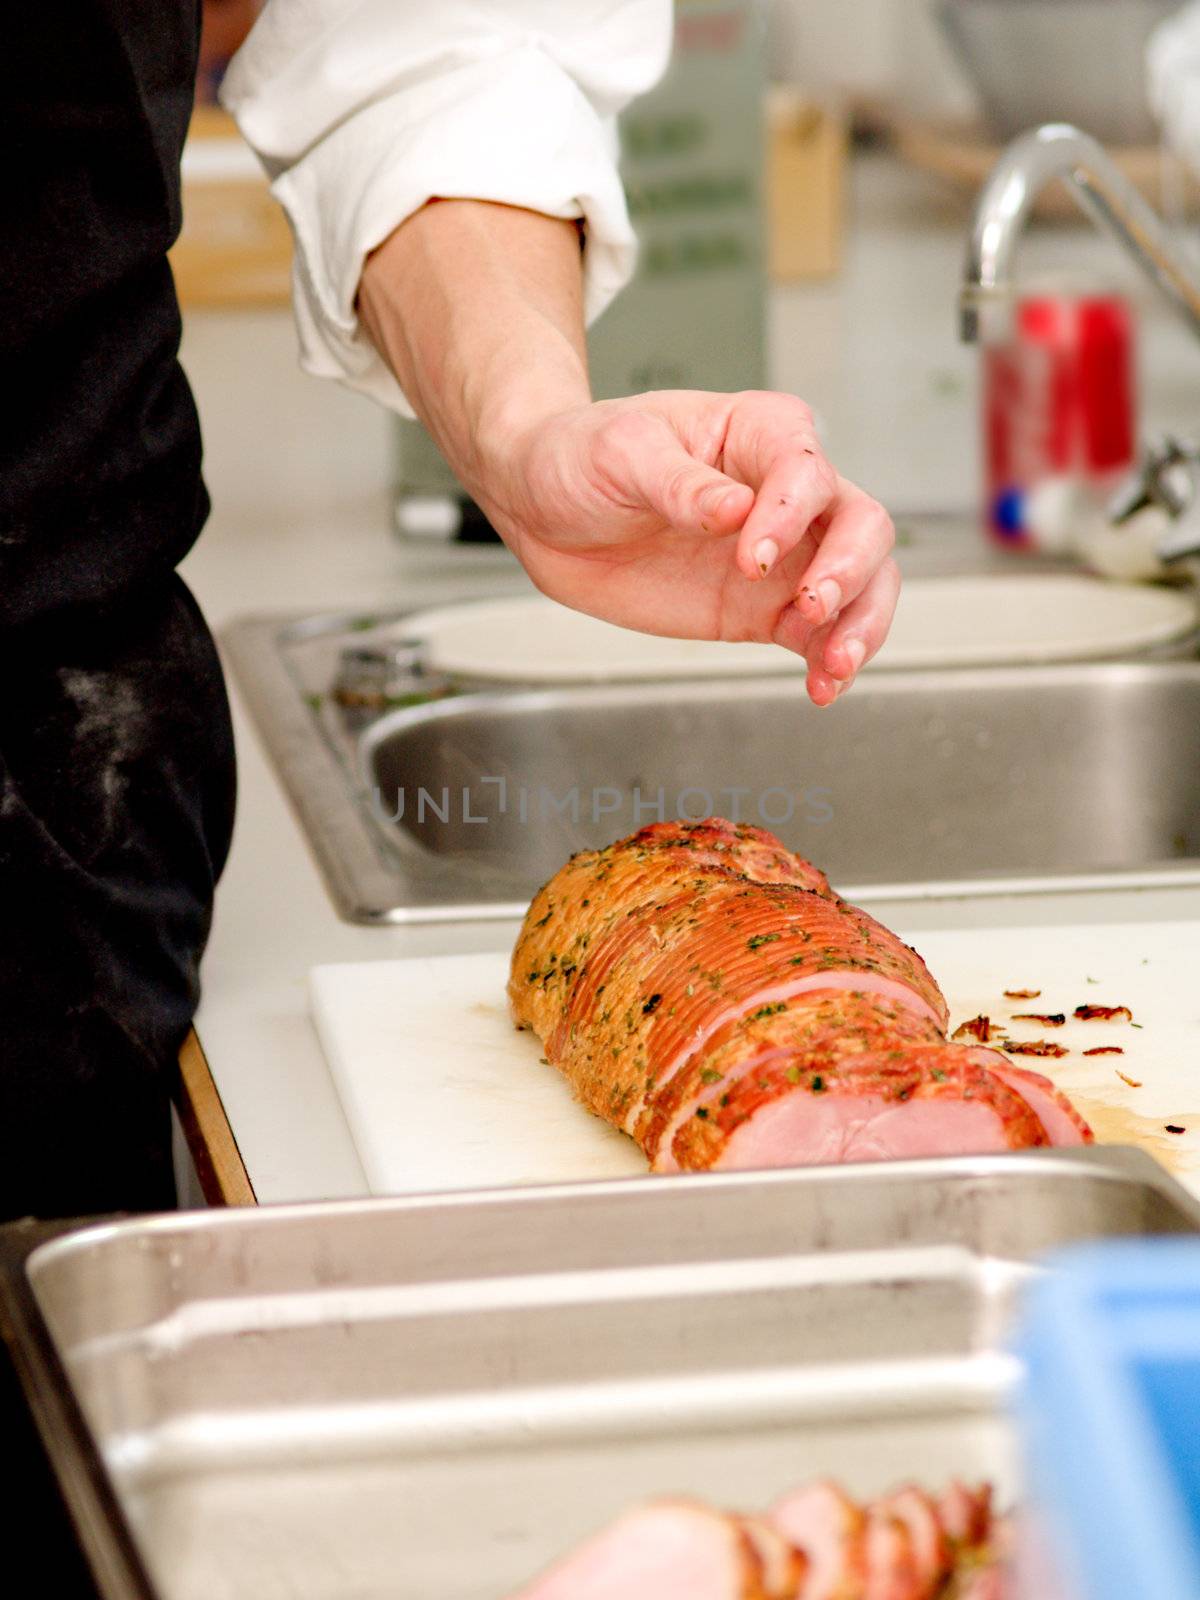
x,y
116,756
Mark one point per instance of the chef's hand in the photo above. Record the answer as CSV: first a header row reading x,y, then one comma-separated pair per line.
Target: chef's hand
x,y
703,516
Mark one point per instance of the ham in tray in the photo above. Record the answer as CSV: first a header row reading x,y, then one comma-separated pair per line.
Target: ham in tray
x,y
815,1543
707,991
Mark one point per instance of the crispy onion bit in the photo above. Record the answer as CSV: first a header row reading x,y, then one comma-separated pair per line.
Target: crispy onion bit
x,y
1134,1083
1022,994
1105,1050
1048,1019
1103,1013
1035,1047
977,1028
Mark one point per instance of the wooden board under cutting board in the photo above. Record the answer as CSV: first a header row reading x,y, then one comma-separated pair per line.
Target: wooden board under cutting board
x,y
441,1092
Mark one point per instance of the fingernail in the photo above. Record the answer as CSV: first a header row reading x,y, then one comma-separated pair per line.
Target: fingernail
x,y
766,553
855,651
829,595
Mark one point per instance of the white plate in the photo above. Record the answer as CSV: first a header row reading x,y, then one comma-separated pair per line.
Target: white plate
x,y
986,620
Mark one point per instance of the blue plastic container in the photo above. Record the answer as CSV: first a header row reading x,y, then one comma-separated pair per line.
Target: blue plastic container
x,y
1109,1416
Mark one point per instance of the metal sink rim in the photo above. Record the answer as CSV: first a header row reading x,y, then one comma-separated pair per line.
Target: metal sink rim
x,y
358,864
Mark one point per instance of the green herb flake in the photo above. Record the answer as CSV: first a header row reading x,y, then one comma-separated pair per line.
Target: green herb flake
x,y
768,1011
652,1005
702,1113
818,1084
710,1075
756,941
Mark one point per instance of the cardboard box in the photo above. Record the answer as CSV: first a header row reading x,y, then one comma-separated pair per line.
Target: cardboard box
x,y
235,247
806,180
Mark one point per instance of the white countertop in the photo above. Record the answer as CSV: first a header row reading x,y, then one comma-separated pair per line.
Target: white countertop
x,y
298,472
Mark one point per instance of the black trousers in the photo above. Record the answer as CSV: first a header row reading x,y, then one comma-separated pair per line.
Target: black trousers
x,y
116,809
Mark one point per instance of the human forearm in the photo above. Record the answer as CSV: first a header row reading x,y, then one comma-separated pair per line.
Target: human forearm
x,y
477,308
680,512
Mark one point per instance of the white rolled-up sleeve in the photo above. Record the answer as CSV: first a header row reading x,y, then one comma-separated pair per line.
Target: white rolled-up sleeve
x,y
362,111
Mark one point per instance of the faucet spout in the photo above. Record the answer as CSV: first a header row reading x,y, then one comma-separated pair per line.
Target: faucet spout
x,y
1029,164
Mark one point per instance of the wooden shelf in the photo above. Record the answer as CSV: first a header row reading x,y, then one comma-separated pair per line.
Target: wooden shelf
x,y
235,247
964,156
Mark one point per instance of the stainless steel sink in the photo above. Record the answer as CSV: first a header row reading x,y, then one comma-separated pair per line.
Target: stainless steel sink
x,y
998,780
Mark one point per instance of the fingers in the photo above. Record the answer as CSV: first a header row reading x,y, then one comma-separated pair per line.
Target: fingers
x,y
855,635
644,459
793,633
778,452
838,650
857,540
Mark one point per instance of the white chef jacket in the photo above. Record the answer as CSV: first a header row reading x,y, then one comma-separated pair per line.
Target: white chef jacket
x,y
363,110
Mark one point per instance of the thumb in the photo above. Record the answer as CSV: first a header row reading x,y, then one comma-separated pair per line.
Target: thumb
x,y
692,496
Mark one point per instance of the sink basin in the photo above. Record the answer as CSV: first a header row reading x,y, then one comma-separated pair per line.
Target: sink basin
x,y
996,780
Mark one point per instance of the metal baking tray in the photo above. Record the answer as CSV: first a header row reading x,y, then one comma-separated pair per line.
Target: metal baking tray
x,y
428,1399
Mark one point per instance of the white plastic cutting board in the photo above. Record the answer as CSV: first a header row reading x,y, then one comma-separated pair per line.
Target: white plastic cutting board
x,y
984,620
441,1092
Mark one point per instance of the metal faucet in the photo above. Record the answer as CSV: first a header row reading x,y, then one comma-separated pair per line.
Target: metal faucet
x,y
1167,475
1030,163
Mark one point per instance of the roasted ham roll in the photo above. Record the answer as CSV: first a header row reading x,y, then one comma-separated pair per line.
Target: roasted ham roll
x,y
704,989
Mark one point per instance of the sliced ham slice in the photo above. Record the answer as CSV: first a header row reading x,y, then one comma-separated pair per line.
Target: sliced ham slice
x,y
931,1548
918,1101
813,1031
670,1550
891,1564
966,1513
831,1530
783,1567
1063,1124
